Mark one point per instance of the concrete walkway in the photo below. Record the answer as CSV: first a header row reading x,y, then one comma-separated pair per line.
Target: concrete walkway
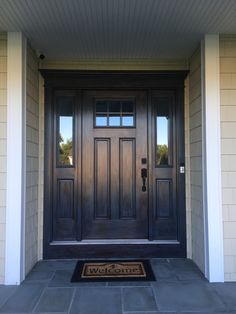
x,y
180,288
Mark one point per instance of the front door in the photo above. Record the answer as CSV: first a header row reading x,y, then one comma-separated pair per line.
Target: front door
x,y
114,167
114,153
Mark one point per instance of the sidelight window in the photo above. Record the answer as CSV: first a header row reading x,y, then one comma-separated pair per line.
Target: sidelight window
x,y
65,137
114,113
163,133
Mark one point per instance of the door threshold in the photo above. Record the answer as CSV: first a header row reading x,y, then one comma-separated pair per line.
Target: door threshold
x,y
116,241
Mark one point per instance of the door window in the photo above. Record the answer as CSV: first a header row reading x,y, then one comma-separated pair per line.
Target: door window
x,y
114,113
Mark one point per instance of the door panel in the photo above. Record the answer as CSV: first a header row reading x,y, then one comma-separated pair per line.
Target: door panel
x,y
127,184
102,178
164,199
113,203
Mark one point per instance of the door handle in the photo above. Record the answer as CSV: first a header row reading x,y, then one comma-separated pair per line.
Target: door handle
x,y
144,177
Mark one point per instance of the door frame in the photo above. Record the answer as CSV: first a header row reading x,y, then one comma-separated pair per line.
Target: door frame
x,y
112,80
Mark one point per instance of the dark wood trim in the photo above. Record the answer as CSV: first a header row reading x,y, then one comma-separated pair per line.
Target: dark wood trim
x,y
48,166
150,160
113,79
181,161
79,164
115,250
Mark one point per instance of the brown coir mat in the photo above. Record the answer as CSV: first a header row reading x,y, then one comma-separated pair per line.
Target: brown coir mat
x,y
113,270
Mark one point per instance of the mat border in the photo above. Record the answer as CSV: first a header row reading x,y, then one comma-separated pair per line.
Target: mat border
x,y
76,277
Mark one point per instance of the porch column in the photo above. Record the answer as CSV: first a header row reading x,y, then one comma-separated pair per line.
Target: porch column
x,y
16,160
214,257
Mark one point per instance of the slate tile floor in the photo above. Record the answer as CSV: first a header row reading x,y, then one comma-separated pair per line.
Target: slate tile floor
x,y
180,288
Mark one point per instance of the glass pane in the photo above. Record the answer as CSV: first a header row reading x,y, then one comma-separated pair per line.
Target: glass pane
x,y
128,106
101,121
128,121
66,140
114,121
114,106
114,113
162,141
101,106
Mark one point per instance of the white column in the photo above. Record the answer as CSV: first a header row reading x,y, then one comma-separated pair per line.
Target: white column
x,y
214,257
16,158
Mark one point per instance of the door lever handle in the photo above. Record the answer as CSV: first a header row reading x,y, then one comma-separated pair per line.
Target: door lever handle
x,y
144,177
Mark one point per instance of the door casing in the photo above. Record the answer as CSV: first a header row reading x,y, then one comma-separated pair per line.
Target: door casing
x,y
96,80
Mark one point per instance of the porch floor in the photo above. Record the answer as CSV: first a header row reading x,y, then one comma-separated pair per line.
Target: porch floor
x,y
180,287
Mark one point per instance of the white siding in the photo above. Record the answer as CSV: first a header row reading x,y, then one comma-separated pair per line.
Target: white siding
x,y
195,152
3,148
32,160
228,151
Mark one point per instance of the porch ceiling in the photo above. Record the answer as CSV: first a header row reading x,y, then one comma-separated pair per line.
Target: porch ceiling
x,y
116,29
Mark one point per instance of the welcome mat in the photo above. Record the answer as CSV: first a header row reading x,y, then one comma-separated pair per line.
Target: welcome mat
x,y
114,270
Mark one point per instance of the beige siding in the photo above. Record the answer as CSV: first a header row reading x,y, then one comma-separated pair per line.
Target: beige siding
x,y
195,152
228,151
3,148
32,160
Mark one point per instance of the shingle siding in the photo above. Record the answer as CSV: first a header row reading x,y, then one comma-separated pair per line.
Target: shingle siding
x,y
32,160
3,149
195,156
228,150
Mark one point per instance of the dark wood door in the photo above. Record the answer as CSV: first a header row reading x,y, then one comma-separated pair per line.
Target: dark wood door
x,y
114,205
103,132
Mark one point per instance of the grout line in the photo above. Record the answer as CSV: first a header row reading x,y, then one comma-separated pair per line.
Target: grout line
x,y
39,299
156,312
53,275
155,298
72,299
10,295
122,299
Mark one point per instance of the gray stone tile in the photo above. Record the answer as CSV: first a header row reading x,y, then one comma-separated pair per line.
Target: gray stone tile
x,y
55,265
62,278
185,270
129,284
97,301
227,293
152,312
208,312
5,293
163,271
182,264
138,299
186,296
39,276
23,299
143,312
190,275
55,300
160,260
